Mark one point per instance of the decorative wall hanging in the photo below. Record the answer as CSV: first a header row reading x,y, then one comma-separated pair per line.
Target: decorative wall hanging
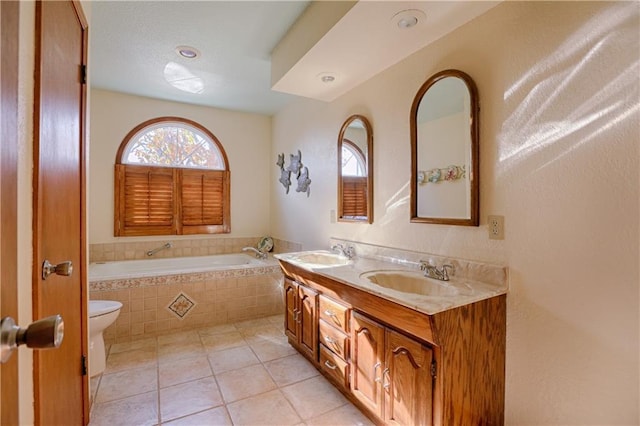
x,y
295,167
304,182
450,173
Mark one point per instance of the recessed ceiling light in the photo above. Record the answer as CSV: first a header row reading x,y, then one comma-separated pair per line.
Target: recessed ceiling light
x,y
408,18
187,52
327,77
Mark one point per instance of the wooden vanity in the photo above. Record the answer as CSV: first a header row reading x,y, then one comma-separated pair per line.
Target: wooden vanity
x,y
399,365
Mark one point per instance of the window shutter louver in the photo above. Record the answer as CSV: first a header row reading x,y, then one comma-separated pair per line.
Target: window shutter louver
x,y
146,202
203,195
354,196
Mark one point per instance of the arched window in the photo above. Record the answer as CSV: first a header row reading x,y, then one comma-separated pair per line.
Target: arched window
x,y
171,177
353,162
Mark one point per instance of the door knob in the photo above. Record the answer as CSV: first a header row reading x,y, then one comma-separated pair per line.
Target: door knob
x,y
45,333
64,268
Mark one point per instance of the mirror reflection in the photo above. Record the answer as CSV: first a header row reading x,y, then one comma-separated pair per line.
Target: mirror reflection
x,y
355,187
444,146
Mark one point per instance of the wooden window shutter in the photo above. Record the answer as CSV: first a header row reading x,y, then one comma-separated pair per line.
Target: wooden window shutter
x,y
204,201
354,196
144,204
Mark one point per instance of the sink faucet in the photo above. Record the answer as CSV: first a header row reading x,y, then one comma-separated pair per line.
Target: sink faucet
x,y
347,251
432,271
259,254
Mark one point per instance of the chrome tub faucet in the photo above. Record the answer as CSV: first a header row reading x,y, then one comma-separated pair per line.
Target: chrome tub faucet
x,y
432,271
259,254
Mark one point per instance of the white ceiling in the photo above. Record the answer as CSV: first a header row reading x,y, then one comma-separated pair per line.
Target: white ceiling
x,y
133,42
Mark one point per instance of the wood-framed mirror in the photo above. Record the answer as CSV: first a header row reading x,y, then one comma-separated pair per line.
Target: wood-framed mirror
x,y
355,171
444,125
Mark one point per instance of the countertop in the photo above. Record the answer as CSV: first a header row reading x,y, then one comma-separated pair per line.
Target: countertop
x,y
468,289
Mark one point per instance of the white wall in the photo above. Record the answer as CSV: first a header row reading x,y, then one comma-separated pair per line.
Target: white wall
x,y
245,137
558,86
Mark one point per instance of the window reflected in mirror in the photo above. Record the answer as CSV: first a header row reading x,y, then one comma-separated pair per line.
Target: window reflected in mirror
x,y
355,183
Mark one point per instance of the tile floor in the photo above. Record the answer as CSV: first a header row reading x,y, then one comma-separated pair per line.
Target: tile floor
x,y
234,374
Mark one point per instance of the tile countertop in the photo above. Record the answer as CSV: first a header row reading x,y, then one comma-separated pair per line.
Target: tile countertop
x,y
472,283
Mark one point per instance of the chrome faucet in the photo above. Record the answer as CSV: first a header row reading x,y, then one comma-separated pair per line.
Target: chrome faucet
x,y
157,249
259,254
432,271
347,251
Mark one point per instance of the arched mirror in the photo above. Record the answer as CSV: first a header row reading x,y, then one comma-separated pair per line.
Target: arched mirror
x,y
444,151
355,171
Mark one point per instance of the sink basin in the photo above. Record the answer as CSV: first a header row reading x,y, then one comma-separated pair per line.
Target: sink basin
x,y
410,282
321,259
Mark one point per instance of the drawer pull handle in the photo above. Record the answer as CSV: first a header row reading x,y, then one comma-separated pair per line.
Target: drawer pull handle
x,y
329,312
329,365
329,340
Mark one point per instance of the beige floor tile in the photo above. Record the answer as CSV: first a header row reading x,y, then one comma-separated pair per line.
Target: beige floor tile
x,y
269,408
217,329
276,319
223,341
232,359
149,343
189,398
347,415
214,417
184,370
245,382
258,322
267,350
290,369
313,397
266,332
138,358
127,383
136,410
180,350
178,337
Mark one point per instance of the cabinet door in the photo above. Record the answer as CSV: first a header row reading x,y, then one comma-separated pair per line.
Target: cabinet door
x,y
367,355
308,321
407,381
291,306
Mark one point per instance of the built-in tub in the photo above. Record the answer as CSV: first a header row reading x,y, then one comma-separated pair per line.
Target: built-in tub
x,y
167,294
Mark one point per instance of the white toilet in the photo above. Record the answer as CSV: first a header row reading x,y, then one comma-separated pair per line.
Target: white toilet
x,y
102,313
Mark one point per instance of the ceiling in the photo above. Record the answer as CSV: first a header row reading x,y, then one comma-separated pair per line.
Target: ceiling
x,y
133,47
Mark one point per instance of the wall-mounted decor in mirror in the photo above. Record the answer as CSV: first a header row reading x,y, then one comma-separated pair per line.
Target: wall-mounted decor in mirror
x,y
355,171
444,151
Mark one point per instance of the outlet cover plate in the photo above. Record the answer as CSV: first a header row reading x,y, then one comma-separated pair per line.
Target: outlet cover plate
x,y
496,227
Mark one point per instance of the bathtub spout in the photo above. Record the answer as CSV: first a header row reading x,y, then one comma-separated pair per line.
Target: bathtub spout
x,y
259,254
157,249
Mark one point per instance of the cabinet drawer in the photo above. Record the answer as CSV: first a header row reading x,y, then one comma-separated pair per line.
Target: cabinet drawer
x,y
335,340
334,313
334,366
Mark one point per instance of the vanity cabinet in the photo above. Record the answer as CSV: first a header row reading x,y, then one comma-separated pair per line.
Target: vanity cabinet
x,y
393,375
301,318
400,366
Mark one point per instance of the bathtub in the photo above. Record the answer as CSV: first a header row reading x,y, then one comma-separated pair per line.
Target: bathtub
x,y
168,294
103,271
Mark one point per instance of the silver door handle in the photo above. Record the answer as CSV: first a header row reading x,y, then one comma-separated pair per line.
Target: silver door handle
x,y
63,268
45,333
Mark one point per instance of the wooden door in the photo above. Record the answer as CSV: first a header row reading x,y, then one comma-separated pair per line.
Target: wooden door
x,y
9,14
291,308
408,381
308,319
60,380
367,356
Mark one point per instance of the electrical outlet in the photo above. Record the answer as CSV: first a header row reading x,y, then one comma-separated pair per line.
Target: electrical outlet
x,y
332,216
496,227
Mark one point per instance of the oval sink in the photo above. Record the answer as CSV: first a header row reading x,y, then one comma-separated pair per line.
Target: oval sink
x,y
321,258
410,282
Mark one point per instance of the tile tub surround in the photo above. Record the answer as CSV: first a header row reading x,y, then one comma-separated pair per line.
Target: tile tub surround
x,y
158,305
108,252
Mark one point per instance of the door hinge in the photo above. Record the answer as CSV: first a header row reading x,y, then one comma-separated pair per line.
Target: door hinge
x,y
84,365
83,74
434,368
